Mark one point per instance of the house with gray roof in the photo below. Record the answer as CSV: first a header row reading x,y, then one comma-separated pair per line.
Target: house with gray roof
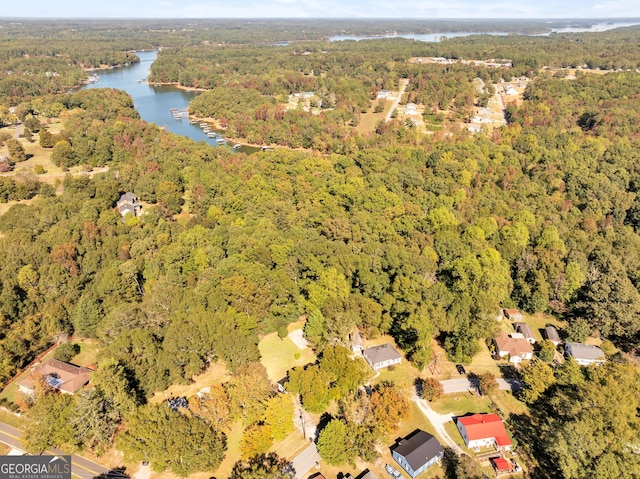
x,y
382,356
526,331
129,204
584,354
417,452
552,335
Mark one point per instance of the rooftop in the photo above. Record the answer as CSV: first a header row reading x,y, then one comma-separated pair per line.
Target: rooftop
x,y
515,346
483,426
418,448
384,352
63,376
585,351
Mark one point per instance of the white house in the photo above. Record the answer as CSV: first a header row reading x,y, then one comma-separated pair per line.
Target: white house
x,y
585,354
382,356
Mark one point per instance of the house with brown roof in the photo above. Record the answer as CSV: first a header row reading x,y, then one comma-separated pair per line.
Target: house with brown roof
x,y
483,430
382,356
514,347
526,331
66,378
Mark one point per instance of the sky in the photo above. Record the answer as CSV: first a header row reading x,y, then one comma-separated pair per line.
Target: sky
x,y
414,9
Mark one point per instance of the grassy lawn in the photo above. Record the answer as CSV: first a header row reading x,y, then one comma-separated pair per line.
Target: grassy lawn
x,y
87,355
216,373
232,455
280,355
539,321
402,375
461,404
508,404
10,419
291,446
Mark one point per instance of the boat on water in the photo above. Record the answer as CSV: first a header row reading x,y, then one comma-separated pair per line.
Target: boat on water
x,y
212,134
237,146
221,141
203,125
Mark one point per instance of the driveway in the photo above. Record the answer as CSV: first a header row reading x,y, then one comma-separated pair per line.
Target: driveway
x,y
306,460
403,86
438,421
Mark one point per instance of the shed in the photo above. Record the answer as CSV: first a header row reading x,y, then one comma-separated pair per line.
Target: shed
x,y
551,333
526,331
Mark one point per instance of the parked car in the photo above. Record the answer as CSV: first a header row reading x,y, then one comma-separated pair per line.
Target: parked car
x,y
393,472
460,369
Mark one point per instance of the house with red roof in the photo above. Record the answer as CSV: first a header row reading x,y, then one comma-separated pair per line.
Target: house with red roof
x,y
483,430
501,465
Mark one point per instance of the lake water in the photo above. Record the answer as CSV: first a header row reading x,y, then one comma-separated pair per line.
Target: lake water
x,y
154,103
436,37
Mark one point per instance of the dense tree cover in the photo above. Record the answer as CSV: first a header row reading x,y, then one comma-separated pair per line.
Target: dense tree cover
x,y
266,466
170,440
417,237
586,420
89,420
363,422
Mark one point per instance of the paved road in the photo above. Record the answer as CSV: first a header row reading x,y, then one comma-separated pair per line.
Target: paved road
x,y
81,467
304,461
463,385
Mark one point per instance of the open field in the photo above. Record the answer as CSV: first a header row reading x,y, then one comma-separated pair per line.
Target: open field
x,y
216,373
280,355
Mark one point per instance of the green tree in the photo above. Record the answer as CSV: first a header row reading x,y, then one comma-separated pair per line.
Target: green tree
x,y
265,466
256,440
537,377
431,388
279,416
487,383
66,351
335,443
48,422
169,440
16,150
547,351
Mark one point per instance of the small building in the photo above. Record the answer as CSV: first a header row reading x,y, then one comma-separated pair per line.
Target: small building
x,y
382,94
357,343
382,356
368,475
515,347
551,333
417,452
585,354
513,314
483,430
128,204
66,378
501,465
526,331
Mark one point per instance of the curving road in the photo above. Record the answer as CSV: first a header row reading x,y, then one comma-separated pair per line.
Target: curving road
x,y
80,467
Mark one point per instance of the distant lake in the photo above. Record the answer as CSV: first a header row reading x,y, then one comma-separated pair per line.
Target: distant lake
x,y
154,103
436,37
